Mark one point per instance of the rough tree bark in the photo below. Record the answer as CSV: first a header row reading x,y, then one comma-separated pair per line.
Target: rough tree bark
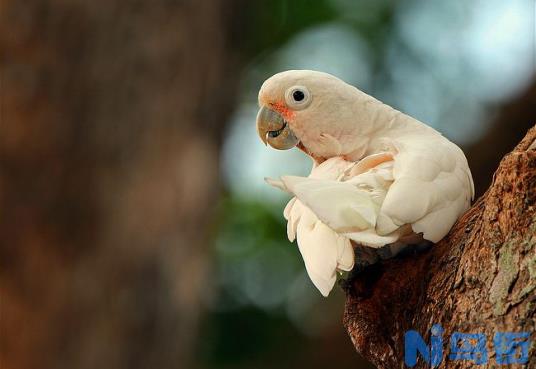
x,y
111,115
480,279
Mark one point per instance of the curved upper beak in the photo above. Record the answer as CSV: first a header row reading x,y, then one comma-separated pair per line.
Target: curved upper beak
x,y
274,130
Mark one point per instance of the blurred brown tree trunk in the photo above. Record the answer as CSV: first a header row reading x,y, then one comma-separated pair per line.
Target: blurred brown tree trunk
x,y
480,279
111,120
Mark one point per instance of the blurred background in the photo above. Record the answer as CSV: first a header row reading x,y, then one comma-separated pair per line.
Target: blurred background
x,y
136,229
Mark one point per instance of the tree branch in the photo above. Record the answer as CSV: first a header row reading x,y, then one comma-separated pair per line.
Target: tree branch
x,y
481,278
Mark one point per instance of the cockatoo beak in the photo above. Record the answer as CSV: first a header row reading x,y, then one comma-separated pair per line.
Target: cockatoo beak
x,y
274,130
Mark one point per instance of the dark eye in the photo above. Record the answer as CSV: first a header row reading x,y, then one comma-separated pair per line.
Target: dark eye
x,y
298,95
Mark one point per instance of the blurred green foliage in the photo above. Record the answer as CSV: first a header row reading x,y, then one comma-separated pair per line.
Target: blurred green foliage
x,y
269,24
264,311
243,337
417,55
255,260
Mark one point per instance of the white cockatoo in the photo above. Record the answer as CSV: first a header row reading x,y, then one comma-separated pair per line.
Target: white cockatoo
x,y
379,177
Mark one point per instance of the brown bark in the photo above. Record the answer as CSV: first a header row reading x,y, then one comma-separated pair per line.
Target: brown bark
x,y
480,279
111,120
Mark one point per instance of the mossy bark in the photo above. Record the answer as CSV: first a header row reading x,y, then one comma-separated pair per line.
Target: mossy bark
x,y
481,278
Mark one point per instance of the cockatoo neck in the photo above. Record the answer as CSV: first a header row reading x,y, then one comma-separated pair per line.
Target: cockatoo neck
x,y
361,126
377,134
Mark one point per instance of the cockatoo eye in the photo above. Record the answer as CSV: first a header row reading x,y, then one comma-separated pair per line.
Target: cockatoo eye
x,y
298,97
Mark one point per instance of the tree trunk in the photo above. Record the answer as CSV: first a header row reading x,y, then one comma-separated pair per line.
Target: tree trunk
x,y
480,279
111,120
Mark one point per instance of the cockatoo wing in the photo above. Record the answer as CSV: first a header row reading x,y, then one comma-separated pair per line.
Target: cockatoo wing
x,y
340,205
351,208
323,250
432,185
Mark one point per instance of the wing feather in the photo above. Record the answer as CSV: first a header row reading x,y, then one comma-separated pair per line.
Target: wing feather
x,y
432,185
323,251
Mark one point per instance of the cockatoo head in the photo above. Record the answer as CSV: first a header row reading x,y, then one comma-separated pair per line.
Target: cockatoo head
x,y
312,110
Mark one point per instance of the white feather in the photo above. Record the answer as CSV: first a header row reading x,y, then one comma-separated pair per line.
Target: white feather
x,y
340,205
323,251
432,185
